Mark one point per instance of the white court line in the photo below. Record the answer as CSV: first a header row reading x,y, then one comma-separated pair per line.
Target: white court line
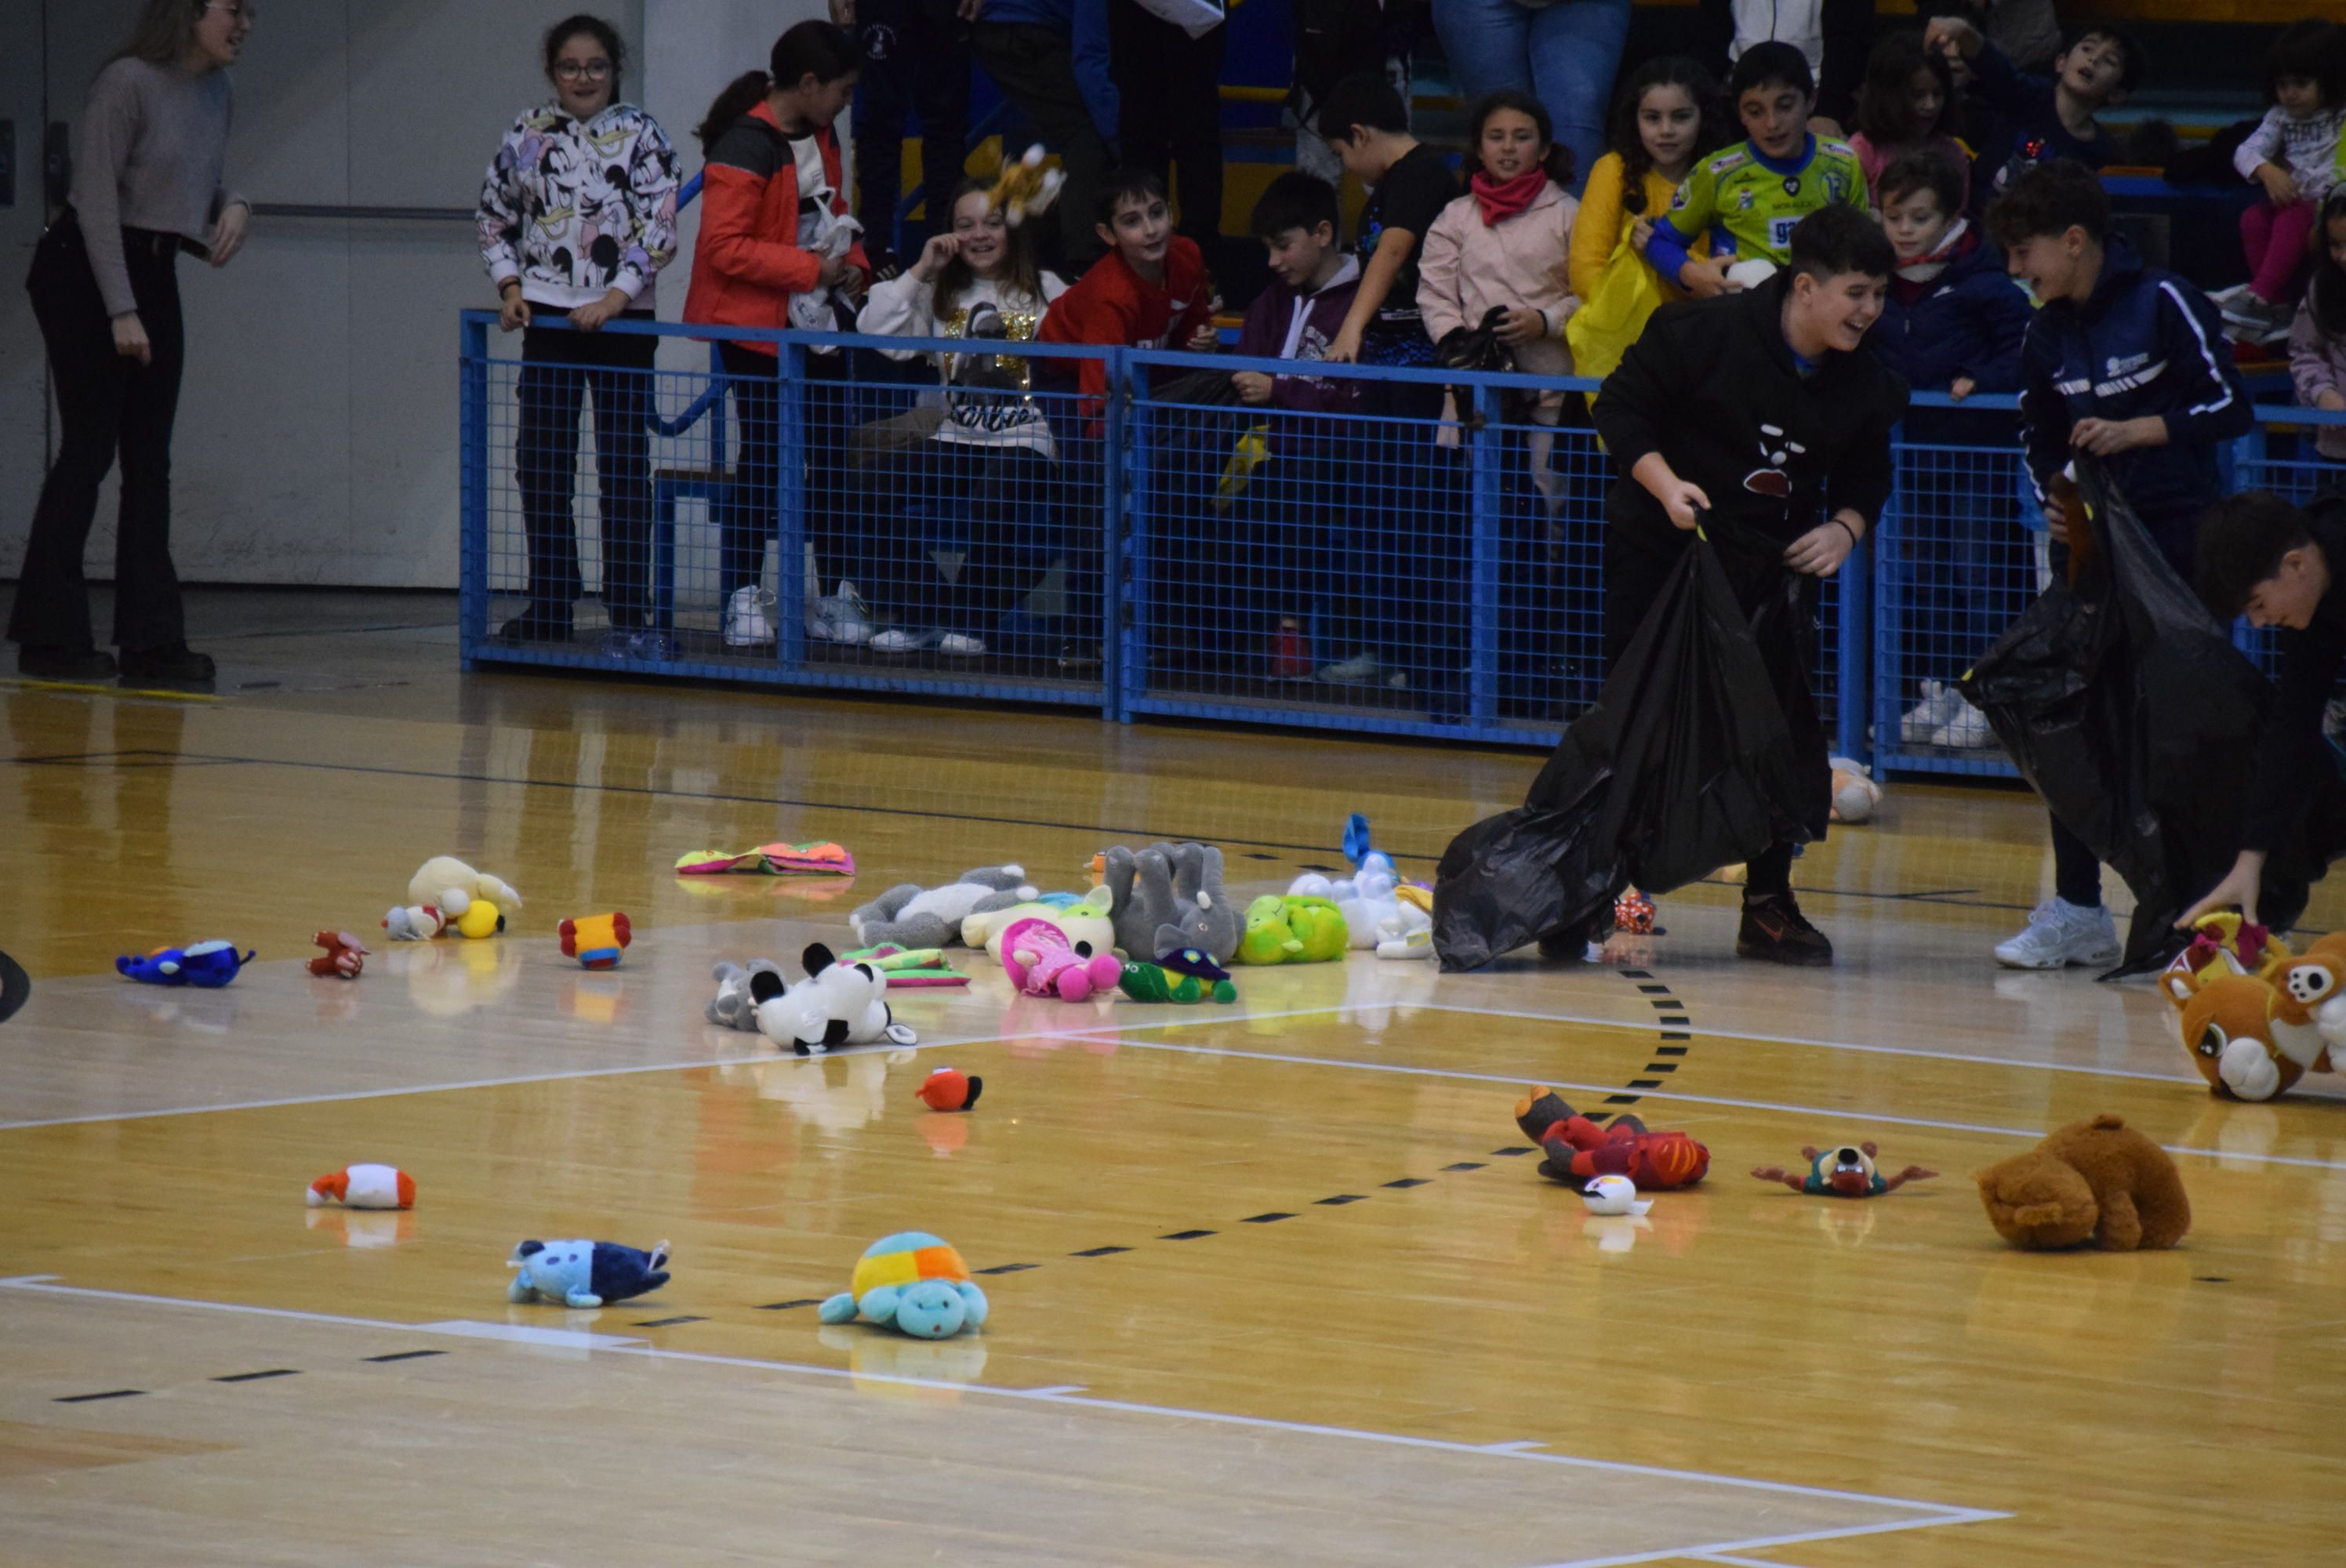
x,y
1934,1513
1740,1562
1967,1516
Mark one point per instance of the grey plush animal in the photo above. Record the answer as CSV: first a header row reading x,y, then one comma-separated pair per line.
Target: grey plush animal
x,y
911,916
1168,897
733,1007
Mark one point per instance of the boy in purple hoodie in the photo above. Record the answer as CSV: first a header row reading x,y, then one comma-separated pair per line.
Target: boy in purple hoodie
x,y
1291,504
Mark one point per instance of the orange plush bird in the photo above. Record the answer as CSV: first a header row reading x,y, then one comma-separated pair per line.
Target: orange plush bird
x,y
950,1089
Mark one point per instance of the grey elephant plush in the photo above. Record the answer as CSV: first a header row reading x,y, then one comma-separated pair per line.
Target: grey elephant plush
x,y
1168,897
911,916
733,1007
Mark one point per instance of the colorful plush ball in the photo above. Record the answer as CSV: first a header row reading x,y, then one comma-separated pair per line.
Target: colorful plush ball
x,y
950,1089
480,919
594,941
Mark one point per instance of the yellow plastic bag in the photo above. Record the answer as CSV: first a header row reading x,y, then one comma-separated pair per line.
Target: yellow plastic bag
x,y
1609,319
1251,451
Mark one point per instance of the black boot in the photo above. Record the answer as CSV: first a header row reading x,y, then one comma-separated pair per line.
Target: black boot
x,y
1774,931
49,662
173,664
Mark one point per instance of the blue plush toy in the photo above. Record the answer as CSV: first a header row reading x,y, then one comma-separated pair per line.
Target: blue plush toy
x,y
211,964
911,1282
584,1273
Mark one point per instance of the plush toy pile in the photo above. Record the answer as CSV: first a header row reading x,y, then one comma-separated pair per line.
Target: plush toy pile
x,y
911,1282
445,892
911,916
2254,1016
908,969
1041,961
1168,897
1186,977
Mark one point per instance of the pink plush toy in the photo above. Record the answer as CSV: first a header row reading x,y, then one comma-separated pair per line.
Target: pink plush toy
x,y
1041,963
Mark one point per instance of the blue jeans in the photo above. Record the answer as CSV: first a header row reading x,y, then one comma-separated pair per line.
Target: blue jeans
x,y
1564,55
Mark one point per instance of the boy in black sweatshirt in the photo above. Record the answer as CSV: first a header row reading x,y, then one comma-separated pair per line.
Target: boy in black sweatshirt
x,y
1758,410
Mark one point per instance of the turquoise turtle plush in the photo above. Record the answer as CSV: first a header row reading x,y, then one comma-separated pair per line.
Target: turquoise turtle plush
x,y
914,1283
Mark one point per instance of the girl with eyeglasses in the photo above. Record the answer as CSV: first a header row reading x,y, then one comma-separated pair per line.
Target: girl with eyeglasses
x,y
577,217
148,165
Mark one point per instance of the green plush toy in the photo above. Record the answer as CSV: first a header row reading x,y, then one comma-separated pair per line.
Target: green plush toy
x,y
1266,939
1320,926
1188,975
907,968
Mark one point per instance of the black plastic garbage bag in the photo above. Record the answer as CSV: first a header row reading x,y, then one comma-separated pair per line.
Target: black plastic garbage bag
x,y
2125,705
1703,748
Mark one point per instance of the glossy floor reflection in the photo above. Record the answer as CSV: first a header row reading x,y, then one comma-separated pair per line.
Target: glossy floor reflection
x,y
1274,1283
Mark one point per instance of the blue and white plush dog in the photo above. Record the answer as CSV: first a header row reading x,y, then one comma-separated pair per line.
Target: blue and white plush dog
x,y
211,964
584,1273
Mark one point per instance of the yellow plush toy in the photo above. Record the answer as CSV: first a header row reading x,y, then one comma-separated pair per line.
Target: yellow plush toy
x,y
480,918
1025,188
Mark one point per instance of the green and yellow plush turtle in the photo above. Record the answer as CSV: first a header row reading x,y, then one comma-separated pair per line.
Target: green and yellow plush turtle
x,y
1186,975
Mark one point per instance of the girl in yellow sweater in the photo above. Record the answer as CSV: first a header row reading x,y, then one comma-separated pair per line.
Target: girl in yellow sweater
x,y
1665,117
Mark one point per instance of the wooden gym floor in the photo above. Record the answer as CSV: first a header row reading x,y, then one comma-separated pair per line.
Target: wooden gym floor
x,y
1275,1284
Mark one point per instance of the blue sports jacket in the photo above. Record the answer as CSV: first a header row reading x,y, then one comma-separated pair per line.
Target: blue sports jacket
x,y
1969,321
2147,343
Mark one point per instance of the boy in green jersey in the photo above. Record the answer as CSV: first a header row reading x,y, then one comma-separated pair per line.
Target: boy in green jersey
x,y
1754,193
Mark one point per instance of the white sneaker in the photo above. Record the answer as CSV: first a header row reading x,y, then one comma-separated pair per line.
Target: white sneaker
x,y
1968,730
2059,934
960,645
1356,670
839,618
899,640
745,619
1941,702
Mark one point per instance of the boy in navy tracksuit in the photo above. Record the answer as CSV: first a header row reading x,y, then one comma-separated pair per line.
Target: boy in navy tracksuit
x,y
1952,322
2127,362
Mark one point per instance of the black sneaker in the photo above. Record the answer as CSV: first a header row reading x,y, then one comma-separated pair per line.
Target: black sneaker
x,y
531,628
48,662
1774,931
173,664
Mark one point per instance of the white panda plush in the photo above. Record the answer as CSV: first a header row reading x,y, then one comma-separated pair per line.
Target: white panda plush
x,y
836,1004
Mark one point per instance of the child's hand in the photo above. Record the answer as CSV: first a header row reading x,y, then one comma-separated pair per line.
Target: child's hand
x,y
1819,552
1253,386
2056,524
853,281
2280,186
1704,279
1640,234
1204,340
2239,888
831,272
1962,387
2330,399
1684,501
1523,325
1346,349
940,249
2108,437
1952,36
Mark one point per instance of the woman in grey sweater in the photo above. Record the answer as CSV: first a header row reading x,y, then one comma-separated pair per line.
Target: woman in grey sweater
x,y
146,184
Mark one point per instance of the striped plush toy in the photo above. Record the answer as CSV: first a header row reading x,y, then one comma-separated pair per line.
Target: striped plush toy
x,y
913,1282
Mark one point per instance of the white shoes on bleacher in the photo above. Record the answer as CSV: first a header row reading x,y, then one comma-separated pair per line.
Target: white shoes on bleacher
x,y
840,617
745,618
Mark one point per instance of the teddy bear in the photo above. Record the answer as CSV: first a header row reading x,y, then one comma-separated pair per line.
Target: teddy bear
x,y
732,1006
2098,1181
450,886
911,1282
1042,962
2310,1009
584,1273
913,916
836,1004
1169,896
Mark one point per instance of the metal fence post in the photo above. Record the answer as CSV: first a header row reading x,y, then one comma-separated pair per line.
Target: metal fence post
x,y
1485,505
792,476
472,484
1852,692
1124,467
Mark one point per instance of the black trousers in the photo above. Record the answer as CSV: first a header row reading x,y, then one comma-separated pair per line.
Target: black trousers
x,y
749,512
1036,69
559,367
1169,92
916,63
1002,499
107,403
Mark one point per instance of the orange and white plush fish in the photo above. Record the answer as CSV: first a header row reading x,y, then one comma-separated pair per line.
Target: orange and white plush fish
x,y
364,1186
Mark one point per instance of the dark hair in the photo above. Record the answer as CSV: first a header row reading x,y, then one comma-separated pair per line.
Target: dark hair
x,y
1126,184
2132,61
1019,270
594,28
2315,50
2241,541
163,32
1764,65
1840,239
1662,71
2325,295
1556,161
1366,100
2050,198
816,50
1923,169
1295,201
1885,104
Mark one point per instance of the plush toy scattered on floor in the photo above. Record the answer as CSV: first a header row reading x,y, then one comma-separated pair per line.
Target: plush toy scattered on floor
x,y
363,1186
1292,929
949,1089
450,886
595,940
209,964
1845,1170
417,923
1855,795
911,916
1634,914
836,1004
1081,919
584,1273
480,919
908,969
770,860
1612,1196
911,1282
733,1007
1577,1150
1170,896
2254,1016
1185,976
344,958
2098,1181
1041,962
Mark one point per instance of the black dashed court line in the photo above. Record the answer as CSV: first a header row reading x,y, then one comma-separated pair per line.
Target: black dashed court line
x,y
255,1377
404,1356
667,1322
1340,1199
1655,989
1516,1149
1009,1268
1269,1218
787,1306
108,1394
1412,1181
1464,1166
1661,1066
1670,1049
1184,1235
1644,1083
1099,1251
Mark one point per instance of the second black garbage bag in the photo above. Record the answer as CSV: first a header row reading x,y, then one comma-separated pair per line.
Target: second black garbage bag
x,y
1703,748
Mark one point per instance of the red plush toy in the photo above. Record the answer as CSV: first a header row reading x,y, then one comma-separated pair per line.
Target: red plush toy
x,y
1578,1150
343,956
950,1089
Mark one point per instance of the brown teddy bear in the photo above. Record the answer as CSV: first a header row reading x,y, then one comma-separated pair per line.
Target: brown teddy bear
x,y
2099,1181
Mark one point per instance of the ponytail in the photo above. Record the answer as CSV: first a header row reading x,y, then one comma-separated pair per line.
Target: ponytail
x,y
816,50
740,97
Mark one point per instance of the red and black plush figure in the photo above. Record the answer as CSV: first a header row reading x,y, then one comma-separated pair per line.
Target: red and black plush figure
x,y
949,1089
343,956
1577,1150
1845,1170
